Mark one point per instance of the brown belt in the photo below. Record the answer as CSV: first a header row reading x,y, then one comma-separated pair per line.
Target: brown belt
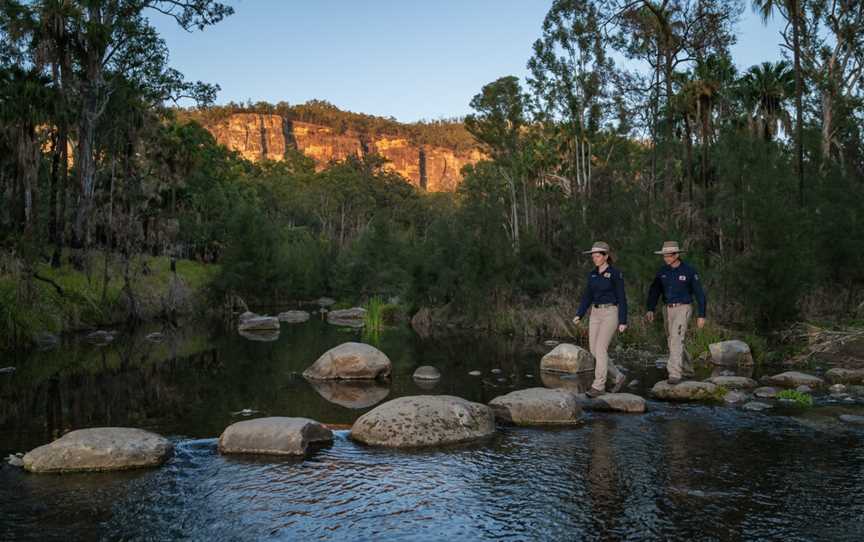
x,y
605,305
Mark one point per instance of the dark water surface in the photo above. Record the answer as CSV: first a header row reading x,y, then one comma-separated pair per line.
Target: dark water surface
x,y
679,472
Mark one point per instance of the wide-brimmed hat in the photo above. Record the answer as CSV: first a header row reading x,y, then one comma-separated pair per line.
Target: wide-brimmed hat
x,y
598,246
669,247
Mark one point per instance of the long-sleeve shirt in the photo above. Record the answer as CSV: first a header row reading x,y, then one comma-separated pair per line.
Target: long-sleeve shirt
x,y
603,289
678,285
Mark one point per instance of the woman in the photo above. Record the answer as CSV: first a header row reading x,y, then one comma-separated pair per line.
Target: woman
x,y
605,294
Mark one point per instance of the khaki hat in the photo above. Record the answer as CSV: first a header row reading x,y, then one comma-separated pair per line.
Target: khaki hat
x,y
598,246
669,247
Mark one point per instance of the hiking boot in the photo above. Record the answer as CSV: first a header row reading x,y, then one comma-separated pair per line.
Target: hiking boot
x,y
619,383
592,393
672,381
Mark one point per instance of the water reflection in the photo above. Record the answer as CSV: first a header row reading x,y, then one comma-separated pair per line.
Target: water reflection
x,y
351,394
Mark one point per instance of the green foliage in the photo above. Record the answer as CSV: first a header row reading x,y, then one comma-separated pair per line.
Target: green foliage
x,y
799,398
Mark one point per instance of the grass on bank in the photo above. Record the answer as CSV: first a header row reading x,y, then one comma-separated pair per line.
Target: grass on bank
x,y
31,307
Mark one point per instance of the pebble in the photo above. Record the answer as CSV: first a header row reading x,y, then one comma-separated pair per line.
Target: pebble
x,y
633,384
765,392
475,373
551,343
496,371
837,388
529,375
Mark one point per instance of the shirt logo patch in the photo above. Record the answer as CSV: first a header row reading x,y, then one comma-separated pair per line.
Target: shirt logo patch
x,y
682,277
607,275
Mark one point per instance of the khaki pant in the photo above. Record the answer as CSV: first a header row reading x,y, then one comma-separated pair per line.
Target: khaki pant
x,y
677,319
601,329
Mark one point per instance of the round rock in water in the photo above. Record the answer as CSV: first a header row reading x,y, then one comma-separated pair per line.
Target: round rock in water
x,y
735,397
614,402
793,379
350,361
427,372
766,392
537,406
730,353
567,358
689,390
100,449
273,436
258,323
424,420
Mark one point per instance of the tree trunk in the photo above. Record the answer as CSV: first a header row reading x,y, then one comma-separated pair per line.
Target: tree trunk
x,y
799,91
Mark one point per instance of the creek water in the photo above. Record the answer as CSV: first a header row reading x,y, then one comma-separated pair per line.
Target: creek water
x,y
677,472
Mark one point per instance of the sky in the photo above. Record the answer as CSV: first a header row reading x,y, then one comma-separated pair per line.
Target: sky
x,y
409,60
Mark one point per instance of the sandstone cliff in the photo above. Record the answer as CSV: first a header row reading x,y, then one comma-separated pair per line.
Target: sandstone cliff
x,y
258,136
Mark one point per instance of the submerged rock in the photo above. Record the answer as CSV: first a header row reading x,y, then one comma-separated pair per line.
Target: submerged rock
x,y
100,449
260,336
735,397
427,372
688,390
845,376
7,370
100,337
766,392
730,353
756,406
733,382
354,394
325,301
614,402
350,361
537,406
793,379
273,436
155,337
293,317
852,419
424,420
567,358
46,341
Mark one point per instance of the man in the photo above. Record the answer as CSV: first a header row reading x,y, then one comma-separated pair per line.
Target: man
x,y
679,283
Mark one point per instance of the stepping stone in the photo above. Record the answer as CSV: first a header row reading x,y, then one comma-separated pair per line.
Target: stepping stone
x,y
537,406
422,421
845,376
688,390
567,358
613,402
273,436
100,449
350,361
793,379
427,372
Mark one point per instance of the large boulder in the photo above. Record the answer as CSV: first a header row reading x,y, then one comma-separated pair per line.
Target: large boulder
x,y
613,402
537,406
424,420
293,317
733,382
350,361
273,436
793,379
731,353
100,449
257,323
354,394
353,317
567,358
845,376
689,390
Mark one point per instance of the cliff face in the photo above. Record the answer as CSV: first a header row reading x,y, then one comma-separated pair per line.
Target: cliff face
x,y
267,137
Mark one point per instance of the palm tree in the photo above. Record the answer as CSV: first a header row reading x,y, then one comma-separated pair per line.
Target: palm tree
x,y
764,89
791,11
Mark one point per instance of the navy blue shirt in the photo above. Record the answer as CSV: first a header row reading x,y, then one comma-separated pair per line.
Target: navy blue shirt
x,y
678,285
605,288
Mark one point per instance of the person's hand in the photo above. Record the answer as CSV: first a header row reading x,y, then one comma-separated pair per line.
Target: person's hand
x,y
576,320
700,323
649,316
622,328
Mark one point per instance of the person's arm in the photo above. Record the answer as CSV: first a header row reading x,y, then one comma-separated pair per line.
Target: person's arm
x,y
621,295
586,299
654,293
699,293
